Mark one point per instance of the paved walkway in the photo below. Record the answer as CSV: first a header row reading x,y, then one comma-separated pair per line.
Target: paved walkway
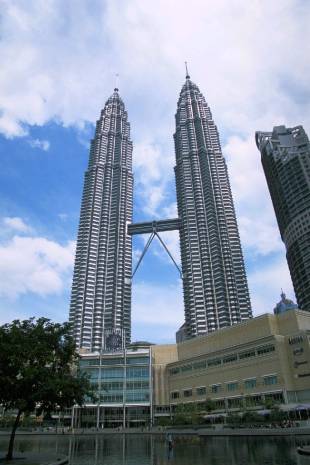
x,y
186,431
244,431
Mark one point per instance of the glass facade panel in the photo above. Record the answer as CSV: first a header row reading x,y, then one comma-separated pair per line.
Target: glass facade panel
x,y
92,373
89,362
112,361
137,372
138,361
117,383
107,373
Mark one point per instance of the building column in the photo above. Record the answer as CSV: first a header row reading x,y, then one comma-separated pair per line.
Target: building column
x,y
98,416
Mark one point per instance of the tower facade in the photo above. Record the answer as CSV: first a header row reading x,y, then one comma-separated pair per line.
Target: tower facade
x,y
285,155
214,280
100,309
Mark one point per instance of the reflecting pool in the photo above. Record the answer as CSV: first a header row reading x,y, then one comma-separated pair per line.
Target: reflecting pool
x,y
143,449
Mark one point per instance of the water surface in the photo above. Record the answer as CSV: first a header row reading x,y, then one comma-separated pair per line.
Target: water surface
x,y
121,449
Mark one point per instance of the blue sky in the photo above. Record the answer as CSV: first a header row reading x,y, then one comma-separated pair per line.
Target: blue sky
x,y
59,60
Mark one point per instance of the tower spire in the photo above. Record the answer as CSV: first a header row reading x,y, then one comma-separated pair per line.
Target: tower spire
x,y
187,75
116,82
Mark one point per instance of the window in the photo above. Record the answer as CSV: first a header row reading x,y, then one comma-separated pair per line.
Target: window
x,y
298,351
174,371
187,393
112,361
265,349
199,365
201,391
92,373
232,386
295,340
87,361
138,361
112,373
219,404
186,368
137,372
250,383
214,362
270,379
175,395
235,403
215,388
250,353
230,358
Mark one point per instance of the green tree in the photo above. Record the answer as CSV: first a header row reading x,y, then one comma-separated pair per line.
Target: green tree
x,y
276,414
269,403
209,405
37,361
233,419
251,418
187,414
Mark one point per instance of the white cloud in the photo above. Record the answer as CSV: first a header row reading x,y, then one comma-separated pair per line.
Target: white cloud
x,y
256,219
36,265
147,44
153,170
16,224
39,144
63,216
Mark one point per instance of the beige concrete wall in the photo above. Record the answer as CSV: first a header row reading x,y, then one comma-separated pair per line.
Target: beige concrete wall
x,y
161,356
288,361
227,338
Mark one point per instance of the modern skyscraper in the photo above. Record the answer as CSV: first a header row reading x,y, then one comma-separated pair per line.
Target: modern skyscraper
x,y
285,155
214,280
100,308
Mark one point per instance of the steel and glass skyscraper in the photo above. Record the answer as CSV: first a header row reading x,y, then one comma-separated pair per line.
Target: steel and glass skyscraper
x,y
214,280
285,155
101,290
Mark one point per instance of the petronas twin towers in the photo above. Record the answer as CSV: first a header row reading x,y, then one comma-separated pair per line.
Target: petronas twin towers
x,y
214,281
101,289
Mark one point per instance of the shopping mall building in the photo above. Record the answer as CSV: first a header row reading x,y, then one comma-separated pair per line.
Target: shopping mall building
x,y
267,357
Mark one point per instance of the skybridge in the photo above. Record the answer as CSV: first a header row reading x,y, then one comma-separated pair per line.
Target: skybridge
x,y
153,228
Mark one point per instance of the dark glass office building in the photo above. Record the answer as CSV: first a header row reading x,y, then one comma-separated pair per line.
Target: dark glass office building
x,y
214,280
285,155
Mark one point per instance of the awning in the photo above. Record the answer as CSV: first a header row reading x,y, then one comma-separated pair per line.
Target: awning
x,y
302,407
215,415
295,407
263,412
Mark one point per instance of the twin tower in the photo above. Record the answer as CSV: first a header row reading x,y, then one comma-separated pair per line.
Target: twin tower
x,y
214,281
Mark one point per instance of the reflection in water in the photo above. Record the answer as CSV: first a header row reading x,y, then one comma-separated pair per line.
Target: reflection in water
x,y
132,449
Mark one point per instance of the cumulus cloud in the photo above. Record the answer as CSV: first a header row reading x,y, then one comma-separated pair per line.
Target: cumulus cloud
x,y
36,265
39,144
247,87
257,223
153,171
16,224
